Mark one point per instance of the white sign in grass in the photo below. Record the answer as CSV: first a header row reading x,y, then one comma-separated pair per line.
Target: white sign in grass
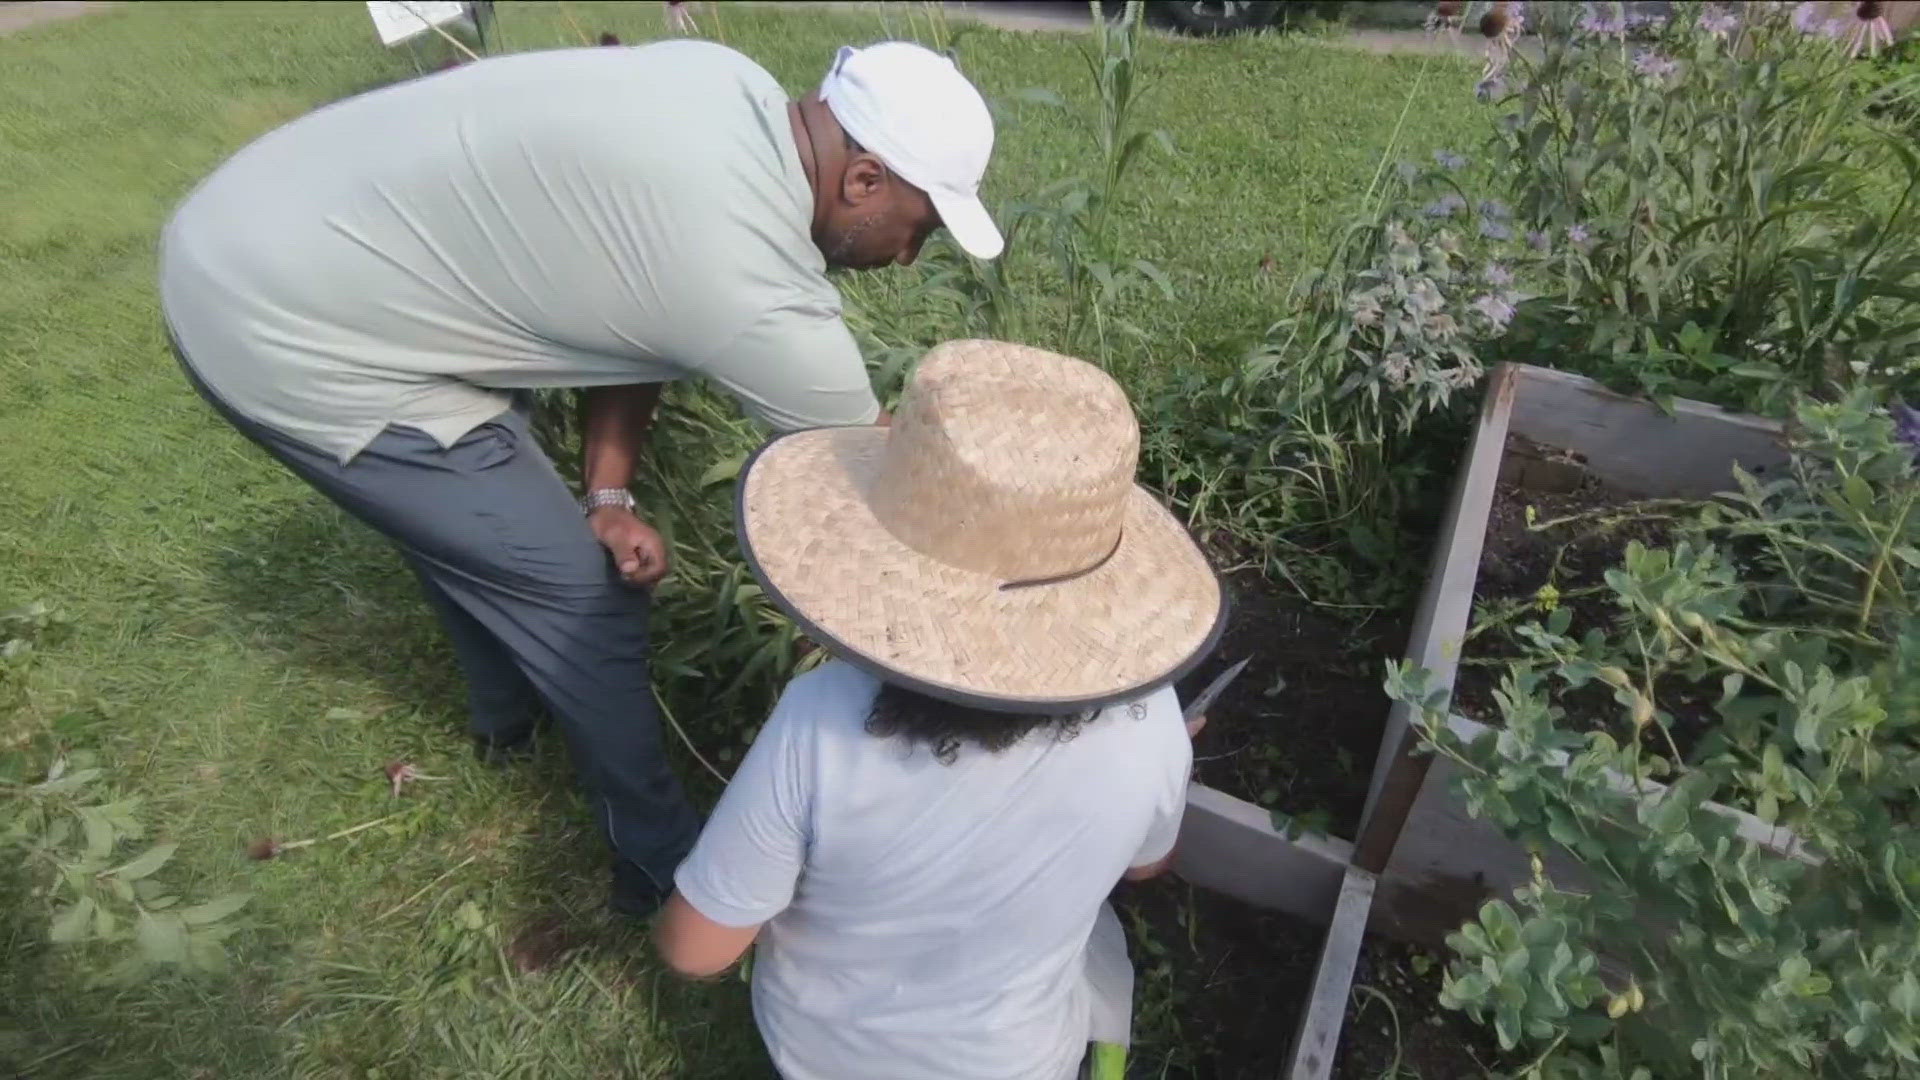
x,y
397,20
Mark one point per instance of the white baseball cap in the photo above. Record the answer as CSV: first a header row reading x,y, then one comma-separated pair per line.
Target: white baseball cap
x,y
911,108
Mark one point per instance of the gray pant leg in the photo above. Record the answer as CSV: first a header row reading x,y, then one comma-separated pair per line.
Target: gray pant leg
x,y
501,703
492,525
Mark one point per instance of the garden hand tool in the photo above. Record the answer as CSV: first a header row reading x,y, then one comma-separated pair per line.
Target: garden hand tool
x,y
1204,700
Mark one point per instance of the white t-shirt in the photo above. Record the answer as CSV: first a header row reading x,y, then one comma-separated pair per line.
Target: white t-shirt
x,y
929,921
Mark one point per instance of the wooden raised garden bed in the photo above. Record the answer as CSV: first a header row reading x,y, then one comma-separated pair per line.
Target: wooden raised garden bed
x,y
1419,864
1541,435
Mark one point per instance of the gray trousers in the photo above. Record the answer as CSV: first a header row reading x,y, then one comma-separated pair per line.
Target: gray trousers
x,y
530,600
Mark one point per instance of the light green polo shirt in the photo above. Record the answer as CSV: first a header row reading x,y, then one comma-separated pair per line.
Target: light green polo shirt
x,y
580,217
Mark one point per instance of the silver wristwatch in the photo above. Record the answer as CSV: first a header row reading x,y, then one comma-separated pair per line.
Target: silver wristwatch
x,y
600,498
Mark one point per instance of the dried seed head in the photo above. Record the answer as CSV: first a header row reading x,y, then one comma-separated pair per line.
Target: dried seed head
x,y
262,849
609,39
1494,22
1869,10
1447,9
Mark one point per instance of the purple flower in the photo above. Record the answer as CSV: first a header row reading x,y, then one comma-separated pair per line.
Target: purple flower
x,y
1446,206
1649,19
1492,87
1539,241
1719,22
1653,66
1806,17
1449,160
1497,274
1603,20
1577,236
1906,427
1494,230
1495,209
1496,309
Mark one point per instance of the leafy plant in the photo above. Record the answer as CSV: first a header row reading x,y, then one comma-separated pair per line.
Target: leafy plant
x,y
1717,214
1695,942
722,650
73,844
1073,216
1315,437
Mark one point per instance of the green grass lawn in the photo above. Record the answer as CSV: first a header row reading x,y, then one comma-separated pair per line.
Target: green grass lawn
x,y
245,660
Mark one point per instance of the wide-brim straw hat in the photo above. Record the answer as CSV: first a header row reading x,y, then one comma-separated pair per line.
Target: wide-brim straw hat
x,y
991,547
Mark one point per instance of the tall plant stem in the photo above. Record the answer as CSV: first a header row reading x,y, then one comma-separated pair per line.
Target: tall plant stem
x,y
1879,567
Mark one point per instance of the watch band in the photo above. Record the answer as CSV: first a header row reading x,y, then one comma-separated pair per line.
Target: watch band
x,y
600,498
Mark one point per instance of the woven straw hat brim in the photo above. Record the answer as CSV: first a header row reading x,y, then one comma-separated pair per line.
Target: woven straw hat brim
x,y
1141,619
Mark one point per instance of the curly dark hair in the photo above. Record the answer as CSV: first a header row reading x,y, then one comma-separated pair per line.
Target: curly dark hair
x,y
944,727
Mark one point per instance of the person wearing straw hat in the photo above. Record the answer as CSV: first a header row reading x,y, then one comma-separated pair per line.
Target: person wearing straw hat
x,y
372,291
923,835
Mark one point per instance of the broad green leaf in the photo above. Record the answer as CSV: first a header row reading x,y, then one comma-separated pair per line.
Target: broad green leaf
x,y
1506,1026
205,954
723,470
145,863
1905,996
67,783
99,831
214,910
70,925
162,937
1469,987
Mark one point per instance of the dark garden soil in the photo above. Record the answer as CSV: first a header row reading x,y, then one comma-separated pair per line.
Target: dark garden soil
x,y
1298,731
1219,986
1396,1028
1554,524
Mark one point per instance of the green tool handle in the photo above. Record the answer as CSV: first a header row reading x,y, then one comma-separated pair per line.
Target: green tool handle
x,y
1109,1062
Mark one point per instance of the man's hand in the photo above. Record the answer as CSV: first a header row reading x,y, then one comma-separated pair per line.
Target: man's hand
x,y
638,551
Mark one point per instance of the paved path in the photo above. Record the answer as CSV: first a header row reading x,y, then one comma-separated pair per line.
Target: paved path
x,y
20,16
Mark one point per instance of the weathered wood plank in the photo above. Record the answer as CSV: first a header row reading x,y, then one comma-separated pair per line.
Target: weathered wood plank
x,y
1441,619
1633,445
1317,1039
1229,845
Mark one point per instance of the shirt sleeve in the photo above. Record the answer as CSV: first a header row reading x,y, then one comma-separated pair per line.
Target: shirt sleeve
x,y
797,367
1164,712
744,868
